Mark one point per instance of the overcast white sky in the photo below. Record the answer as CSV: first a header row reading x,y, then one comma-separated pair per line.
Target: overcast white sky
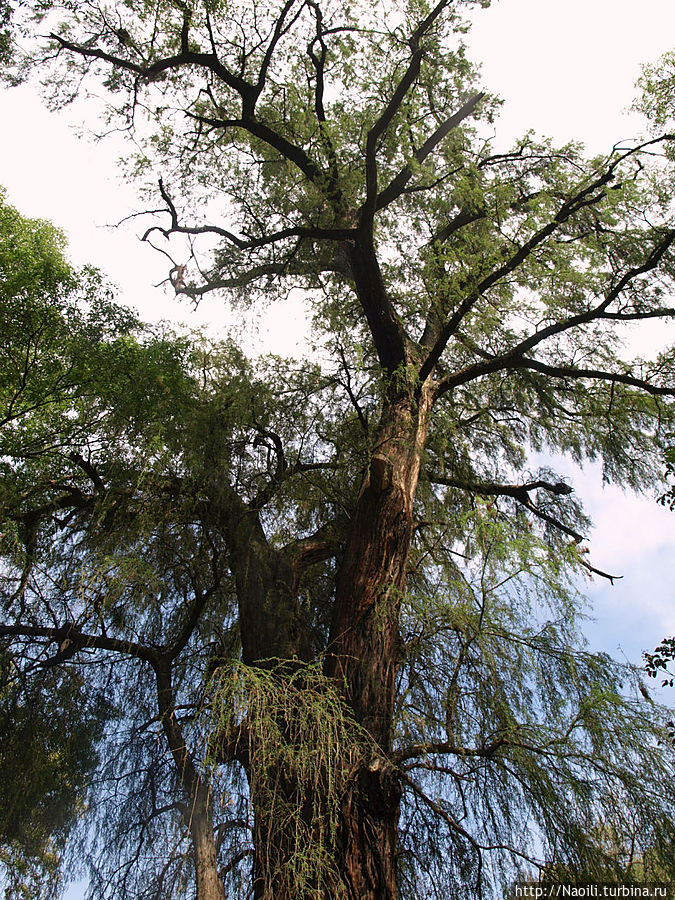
x,y
566,69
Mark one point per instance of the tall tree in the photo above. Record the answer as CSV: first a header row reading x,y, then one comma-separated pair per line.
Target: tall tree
x,y
334,603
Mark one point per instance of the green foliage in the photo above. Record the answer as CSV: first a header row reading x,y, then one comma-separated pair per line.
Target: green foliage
x,y
537,727
657,83
66,348
169,504
304,747
49,729
657,662
6,50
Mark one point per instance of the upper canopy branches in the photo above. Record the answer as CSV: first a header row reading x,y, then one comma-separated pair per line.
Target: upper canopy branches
x,y
304,120
303,143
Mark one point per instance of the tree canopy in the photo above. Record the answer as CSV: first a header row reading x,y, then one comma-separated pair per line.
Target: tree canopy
x,y
330,607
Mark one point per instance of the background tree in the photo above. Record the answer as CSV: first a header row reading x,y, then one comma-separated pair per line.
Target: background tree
x,y
50,722
334,603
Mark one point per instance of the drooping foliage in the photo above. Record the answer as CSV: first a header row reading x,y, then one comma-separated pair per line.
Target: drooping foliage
x,y
332,602
65,347
49,730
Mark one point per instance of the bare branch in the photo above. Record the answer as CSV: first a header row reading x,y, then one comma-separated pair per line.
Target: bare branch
x,y
151,71
78,640
303,233
347,383
594,374
519,492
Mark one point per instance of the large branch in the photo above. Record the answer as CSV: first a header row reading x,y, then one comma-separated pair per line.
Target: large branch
x,y
322,545
292,152
386,328
249,276
151,71
319,63
385,118
520,493
300,232
515,357
557,371
402,88
196,787
248,93
513,361
70,640
281,28
449,748
600,311
589,195
396,186
195,610
663,312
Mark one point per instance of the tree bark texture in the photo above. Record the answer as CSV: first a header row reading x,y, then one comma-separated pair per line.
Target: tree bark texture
x,y
362,659
269,618
366,847
364,644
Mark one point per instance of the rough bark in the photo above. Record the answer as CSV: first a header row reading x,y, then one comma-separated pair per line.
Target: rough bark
x,y
363,653
364,644
269,619
367,834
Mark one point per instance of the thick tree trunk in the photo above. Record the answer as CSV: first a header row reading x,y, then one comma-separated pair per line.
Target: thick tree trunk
x,y
276,844
363,656
366,847
364,644
270,624
269,621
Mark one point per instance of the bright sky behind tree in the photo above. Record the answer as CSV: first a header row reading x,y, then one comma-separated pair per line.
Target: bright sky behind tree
x,y
566,70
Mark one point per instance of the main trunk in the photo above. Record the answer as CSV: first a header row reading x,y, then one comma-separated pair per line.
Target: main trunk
x,y
366,849
364,643
355,857
363,646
